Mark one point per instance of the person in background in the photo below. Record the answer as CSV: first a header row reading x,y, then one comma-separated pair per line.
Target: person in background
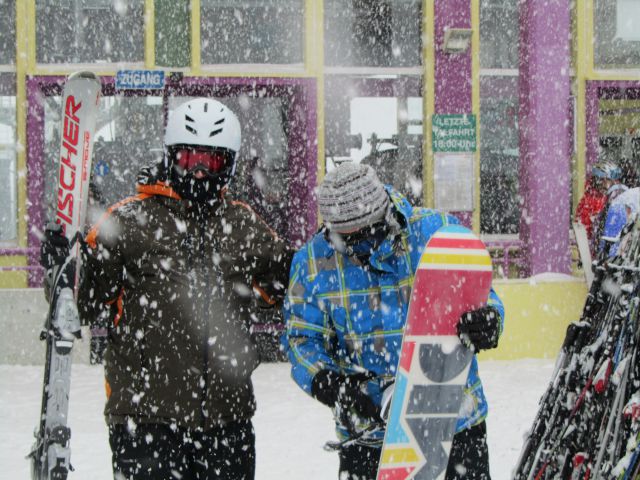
x,y
610,220
591,204
346,308
178,270
624,210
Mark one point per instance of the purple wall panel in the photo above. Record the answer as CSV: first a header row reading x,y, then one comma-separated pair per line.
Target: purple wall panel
x,y
465,218
452,72
35,170
545,174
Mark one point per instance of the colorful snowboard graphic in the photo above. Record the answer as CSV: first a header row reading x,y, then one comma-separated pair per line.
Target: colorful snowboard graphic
x,y
453,276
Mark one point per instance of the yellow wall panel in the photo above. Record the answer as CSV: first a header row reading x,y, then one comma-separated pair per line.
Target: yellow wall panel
x,y
536,317
13,278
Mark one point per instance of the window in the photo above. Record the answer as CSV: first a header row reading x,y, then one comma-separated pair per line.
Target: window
x,y
8,166
173,33
499,34
375,118
252,31
7,32
619,130
89,31
499,105
373,33
499,156
378,122
617,33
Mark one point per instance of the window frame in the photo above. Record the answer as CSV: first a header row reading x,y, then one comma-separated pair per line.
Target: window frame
x,y
303,154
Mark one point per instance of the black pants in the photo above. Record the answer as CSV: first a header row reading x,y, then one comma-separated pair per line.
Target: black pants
x,y
159,452
468,459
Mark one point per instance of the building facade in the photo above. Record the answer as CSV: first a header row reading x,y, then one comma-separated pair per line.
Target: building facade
x,y
491,109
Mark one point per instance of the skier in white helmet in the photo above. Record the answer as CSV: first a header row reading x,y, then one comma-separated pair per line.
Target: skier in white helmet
x,y
177,271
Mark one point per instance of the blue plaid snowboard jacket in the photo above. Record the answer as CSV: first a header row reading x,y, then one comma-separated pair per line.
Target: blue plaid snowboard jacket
x,y
342,317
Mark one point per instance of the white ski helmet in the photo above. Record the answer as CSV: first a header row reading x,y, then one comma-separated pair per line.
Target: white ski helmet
x,y
203,122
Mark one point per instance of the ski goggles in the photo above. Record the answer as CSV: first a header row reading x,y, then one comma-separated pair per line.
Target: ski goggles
x,y
375,234
193,158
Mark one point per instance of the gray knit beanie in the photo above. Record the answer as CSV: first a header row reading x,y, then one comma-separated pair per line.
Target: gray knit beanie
x,y
352,197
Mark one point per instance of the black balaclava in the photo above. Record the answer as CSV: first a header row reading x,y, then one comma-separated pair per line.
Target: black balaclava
x,y
206,190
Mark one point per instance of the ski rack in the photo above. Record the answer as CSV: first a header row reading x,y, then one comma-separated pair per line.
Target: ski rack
x,y
588,421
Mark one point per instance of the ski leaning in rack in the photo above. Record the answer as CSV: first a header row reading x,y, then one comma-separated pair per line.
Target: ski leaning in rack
x,y
50,454
587,422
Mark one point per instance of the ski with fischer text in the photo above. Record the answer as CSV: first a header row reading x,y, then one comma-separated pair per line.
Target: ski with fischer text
x,y
50,454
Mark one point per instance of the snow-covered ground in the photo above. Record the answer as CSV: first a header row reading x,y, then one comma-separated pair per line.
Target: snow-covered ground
x,y
291,428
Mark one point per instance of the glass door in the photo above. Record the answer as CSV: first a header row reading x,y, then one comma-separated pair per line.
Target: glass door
x,y
276,164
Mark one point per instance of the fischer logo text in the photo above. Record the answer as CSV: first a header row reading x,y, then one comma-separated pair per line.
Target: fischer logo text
x,y
68,161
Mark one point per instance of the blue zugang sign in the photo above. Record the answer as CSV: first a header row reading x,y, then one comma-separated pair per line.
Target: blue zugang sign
x,y
139,79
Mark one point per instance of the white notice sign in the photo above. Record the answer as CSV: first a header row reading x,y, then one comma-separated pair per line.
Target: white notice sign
x,y
454,181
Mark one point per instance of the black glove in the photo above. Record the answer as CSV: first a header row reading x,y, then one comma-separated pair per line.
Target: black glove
x,y
54,248
345,391
480,328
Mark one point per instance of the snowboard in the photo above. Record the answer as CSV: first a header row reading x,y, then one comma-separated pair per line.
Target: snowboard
x,y
453,276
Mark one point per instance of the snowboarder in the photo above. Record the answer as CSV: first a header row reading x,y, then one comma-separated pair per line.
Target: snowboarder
x,y
346,307
178,270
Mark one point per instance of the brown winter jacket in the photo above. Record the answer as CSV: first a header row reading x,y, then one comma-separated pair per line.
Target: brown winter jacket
x,y
178,286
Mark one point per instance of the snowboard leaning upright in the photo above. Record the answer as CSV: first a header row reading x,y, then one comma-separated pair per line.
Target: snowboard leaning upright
x,y
453,276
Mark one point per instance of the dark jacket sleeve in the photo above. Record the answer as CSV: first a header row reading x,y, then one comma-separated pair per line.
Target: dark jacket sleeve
x,y
102,271
270,258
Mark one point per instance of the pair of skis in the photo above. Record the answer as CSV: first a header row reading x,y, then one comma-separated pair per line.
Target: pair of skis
x,y
50,456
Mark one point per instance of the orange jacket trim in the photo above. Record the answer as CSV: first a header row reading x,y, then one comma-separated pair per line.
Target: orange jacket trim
x,y
93,233
265,296
119,303
159,188
144,191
